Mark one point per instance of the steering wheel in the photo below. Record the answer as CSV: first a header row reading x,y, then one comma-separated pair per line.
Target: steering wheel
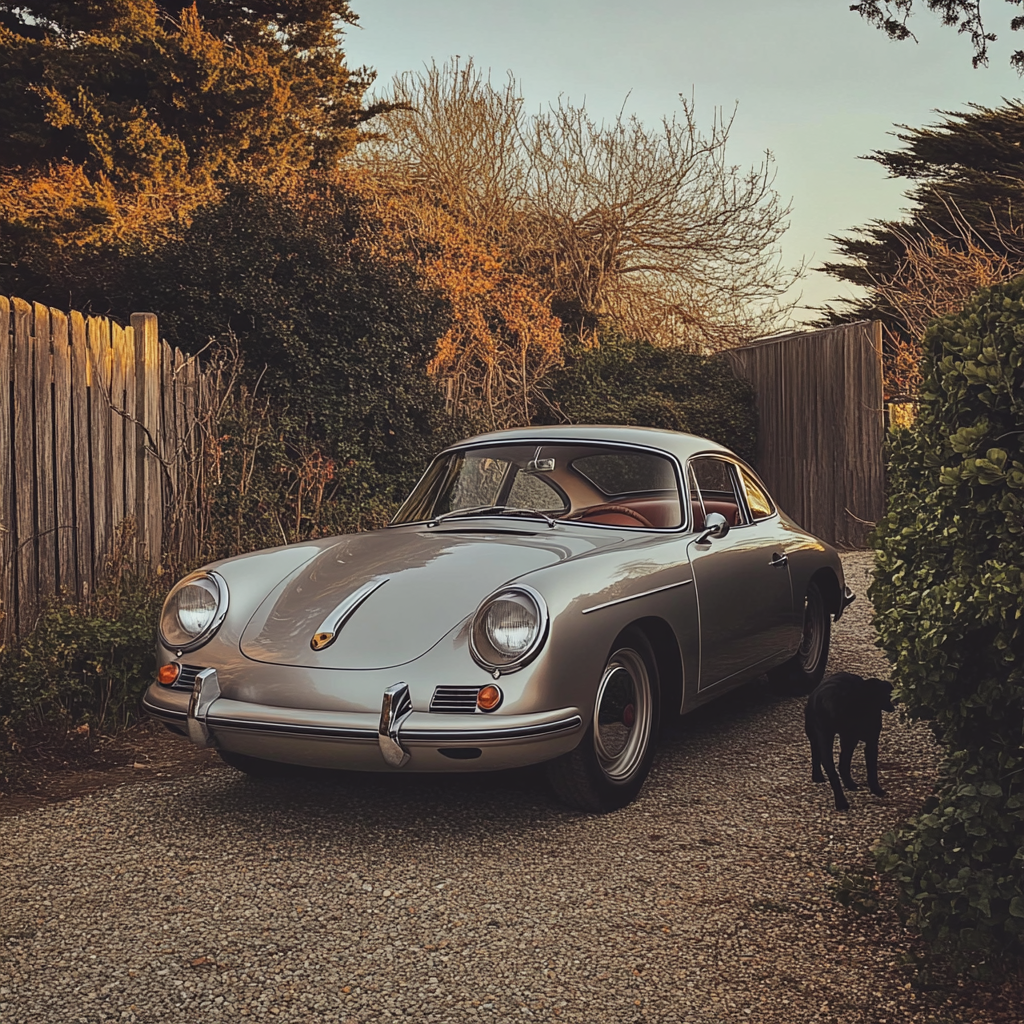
x,y
595,510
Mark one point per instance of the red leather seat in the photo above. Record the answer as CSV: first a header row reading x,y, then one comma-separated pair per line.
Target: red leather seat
x,y
725,508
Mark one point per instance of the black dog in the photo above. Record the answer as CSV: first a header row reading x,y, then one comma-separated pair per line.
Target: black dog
x,y
851,706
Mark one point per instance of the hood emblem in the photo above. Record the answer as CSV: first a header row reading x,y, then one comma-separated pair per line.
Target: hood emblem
x,y
332,625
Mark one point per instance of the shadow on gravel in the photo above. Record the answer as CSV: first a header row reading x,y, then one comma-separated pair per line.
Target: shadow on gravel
x,y
430,808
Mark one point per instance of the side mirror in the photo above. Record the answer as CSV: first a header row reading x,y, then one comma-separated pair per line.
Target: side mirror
x,y
715,525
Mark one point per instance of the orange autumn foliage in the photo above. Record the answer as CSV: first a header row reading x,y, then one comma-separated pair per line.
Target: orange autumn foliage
x,y
503,339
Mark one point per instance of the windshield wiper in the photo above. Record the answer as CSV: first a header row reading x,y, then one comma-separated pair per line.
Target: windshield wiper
x,y
488,509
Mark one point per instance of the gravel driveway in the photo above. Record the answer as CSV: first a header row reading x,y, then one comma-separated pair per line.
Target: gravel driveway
x,y
471,898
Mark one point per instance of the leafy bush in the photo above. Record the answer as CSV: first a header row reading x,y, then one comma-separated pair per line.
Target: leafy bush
x,y
83,665
331,315
638,384
265,480
950,615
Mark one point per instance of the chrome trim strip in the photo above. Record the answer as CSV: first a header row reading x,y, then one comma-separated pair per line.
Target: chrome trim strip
x,y
169,714
332,625
281,728
409,736
634,597
395,708
482,735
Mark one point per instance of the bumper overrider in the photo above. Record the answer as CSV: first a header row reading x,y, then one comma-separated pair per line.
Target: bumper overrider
x,y
399,736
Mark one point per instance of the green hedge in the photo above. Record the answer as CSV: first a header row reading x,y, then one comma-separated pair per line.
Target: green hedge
x,y
638,384
948,594
82,665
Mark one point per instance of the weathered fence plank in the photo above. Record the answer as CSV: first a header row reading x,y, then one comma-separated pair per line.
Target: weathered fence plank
x,y
81,474
23,449
118,357
132,435
63,459
80,470
149,497
46,496
98,333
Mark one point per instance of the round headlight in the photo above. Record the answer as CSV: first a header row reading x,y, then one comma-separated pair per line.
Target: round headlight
x,y
508,628
193,611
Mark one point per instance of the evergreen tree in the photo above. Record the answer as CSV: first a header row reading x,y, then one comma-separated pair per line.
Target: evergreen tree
x,y
965,174
119,119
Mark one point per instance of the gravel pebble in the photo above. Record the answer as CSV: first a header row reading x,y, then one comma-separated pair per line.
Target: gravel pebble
x,y
464,898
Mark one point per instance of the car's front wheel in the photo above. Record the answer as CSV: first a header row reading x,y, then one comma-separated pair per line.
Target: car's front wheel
x,y
805,669
608,768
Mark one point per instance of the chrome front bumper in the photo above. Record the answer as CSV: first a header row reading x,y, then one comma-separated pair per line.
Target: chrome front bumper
x,y
399,736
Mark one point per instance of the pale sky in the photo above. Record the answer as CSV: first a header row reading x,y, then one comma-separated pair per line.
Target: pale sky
x,y
814,84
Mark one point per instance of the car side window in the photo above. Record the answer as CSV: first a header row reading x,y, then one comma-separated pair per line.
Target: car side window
x,y
758,502
716,486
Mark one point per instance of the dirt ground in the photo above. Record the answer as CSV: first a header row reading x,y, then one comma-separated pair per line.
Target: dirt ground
x,y
145,751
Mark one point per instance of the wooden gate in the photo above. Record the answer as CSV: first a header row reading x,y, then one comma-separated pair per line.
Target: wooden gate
x,y
821,429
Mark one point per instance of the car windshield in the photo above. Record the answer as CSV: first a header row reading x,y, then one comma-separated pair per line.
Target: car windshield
x,y
597,485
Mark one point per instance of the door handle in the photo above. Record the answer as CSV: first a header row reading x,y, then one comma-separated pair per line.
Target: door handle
x,y
778,560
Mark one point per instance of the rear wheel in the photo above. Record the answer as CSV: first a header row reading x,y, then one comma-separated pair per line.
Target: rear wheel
x,y
805,669
608,768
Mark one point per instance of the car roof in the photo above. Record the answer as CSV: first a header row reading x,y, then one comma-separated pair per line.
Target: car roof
x,y
675,443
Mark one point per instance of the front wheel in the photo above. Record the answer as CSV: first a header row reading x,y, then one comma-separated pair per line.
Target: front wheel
x,y
608,768
805,669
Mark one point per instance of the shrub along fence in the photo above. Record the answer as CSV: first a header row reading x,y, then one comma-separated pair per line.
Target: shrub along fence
x,y
99,440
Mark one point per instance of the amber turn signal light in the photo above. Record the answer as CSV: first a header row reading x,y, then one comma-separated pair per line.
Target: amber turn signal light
x,y
167,675
488,698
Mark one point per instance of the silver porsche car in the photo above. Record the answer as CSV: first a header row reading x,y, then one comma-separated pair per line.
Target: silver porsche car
x,y
545,595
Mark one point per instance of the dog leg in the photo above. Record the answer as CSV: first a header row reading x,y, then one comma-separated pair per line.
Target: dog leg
x,y
871,758
847,745
816,773
826,743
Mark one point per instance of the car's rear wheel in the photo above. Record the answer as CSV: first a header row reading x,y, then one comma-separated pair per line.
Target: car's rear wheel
x,y
805,669
255,767
608,768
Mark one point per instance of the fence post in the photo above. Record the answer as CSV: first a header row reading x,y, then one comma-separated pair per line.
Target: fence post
x,y
148,469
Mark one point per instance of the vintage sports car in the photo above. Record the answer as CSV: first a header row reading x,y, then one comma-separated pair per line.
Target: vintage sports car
x,y
544,595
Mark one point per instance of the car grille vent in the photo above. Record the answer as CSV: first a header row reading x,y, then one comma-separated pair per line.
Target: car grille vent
x,y
455,699
187,677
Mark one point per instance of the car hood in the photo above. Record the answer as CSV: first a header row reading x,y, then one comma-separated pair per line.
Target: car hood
x,y
428,580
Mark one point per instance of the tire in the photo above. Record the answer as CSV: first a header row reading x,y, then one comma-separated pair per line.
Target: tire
x,y
608,768
256,767
805,669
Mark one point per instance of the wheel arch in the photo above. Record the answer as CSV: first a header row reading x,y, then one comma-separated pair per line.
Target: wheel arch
x,y
828,584
668,658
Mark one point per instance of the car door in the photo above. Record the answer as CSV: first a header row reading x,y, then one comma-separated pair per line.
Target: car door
x,y
742,584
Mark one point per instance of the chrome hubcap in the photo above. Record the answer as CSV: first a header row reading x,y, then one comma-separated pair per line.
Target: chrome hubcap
x,y
622,714
814,633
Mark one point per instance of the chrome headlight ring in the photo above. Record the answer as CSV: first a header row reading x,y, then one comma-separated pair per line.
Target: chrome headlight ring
x,y
532,618
207,620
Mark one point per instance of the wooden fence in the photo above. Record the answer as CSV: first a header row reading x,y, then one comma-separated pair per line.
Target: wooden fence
x,y
820,435
98,438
